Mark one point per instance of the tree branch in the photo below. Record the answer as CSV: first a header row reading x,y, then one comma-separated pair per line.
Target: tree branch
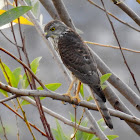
x,y
57,96
116,37
24,120
59,117
125,23
127,10
50,8
62,11
111,46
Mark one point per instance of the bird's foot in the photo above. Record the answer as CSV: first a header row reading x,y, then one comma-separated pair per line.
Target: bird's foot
x,y
76,97
67,94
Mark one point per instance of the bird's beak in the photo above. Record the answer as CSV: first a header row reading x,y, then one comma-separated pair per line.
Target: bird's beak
x,y
47,35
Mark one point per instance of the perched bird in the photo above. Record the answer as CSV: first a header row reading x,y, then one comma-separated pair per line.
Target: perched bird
x,y
77,57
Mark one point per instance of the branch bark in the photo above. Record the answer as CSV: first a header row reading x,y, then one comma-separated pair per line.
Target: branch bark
x,y
85,104
50,8
128,11
59,117
62,11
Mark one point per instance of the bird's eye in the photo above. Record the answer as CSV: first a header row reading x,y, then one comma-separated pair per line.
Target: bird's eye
x,y
52,29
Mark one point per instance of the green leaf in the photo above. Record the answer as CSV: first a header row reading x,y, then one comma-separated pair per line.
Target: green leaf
x,y
16,74
105,77
100,123
89,98
13,14
72,118
24,102
6,71
52,87
34,65
112,137
58,133
82,90
103,86
4,92
36,9
28,2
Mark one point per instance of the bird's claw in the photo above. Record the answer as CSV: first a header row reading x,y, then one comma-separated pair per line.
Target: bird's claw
x,y
67,94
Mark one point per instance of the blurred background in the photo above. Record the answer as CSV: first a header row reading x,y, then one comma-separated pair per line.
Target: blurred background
x,y
95,27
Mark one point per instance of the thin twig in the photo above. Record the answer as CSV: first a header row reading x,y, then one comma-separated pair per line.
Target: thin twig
x,y
125,23
59,117
9,39
8,98
3,129
24,120
128,11
23,64
111,46
114,32
38,102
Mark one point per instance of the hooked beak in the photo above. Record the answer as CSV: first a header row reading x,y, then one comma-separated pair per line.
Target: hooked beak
x,y
47,35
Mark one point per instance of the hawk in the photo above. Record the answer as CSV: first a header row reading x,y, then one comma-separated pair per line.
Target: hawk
x,y
77,57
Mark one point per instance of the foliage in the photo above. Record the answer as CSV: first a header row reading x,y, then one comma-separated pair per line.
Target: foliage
x,y
13,14
138,1
103,78
60,135
14,78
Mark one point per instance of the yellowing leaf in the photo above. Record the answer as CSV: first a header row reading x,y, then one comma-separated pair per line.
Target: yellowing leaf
x,y
22,19
138,1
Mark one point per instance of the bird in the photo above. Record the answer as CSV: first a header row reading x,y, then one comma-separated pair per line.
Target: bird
x,y
79,60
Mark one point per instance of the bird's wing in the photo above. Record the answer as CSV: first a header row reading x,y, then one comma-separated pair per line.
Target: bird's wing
x,y
79,60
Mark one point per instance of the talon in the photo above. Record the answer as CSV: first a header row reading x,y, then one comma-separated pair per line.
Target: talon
x,y
77,94
77,98
67,94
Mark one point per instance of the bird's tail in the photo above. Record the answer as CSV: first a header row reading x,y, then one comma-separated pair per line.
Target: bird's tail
x,y
102,107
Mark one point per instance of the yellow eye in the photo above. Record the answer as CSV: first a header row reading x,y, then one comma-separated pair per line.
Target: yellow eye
x,y
52,29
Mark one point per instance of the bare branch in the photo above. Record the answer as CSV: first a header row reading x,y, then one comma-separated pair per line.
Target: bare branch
x,y
62,11
93,3
8,98
50,8
8,39
128,11
3,129
111,46
24,120
59,117
24,65
56,96
116,37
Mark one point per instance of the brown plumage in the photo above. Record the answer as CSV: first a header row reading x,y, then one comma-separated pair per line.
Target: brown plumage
x,y
78,59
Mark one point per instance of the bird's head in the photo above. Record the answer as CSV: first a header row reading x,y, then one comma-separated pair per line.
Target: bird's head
x,y
54,29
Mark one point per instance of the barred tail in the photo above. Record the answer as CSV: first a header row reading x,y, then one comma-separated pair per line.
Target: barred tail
x,y
102,108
